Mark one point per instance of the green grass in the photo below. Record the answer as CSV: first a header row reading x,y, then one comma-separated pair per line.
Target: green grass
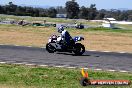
x,y
53,20
50,77
58,20
101,29
28,18
98,29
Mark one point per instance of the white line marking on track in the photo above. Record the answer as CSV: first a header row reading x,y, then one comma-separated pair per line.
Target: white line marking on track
x,y
106,51
84,68
2,62
30,64
98,69
123,71
92,50
24,62
111,70
63,66
59,66
71,67
122,52
18,63
29,46
43,65
17,45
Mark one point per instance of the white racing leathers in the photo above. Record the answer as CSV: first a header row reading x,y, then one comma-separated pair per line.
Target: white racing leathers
x,y
65,36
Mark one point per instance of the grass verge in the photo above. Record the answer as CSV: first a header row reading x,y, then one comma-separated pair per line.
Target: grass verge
x,y
20,76
52,20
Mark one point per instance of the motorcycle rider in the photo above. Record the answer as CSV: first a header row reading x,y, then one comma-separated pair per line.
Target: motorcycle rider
x,y
65,36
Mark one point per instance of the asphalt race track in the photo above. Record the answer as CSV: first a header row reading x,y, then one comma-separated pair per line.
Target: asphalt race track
x,y
91,59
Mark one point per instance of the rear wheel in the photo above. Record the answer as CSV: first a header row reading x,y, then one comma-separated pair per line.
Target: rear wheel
x,y
79,49
50,48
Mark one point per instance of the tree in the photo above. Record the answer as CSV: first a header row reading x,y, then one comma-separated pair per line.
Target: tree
x,y
100,16
72,9
20,11
83,13
61,10
123,16
36,12
43,12
1,9
11,8
92,12
52,12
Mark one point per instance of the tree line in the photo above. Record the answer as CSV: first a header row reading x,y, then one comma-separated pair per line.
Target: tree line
x,y
72,9
12,9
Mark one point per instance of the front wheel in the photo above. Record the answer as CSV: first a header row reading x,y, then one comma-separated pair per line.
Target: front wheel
x,y
79,49
50,48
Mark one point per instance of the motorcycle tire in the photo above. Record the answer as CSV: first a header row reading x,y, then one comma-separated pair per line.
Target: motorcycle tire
x,y
50,48
79,49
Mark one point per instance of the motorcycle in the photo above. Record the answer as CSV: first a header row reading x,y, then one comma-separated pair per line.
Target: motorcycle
x,y
55,43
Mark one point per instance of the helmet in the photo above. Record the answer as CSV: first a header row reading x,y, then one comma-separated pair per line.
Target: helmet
x,y
60,29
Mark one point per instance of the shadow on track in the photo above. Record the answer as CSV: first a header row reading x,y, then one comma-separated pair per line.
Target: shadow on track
x,y
84,55
71,54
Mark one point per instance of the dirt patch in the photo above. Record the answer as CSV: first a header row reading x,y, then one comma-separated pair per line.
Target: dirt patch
x,y
108,42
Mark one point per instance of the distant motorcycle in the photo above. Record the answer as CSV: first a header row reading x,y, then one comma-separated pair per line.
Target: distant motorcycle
x,y
56,44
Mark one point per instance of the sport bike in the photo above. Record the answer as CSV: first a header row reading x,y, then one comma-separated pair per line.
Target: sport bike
x,y
56,43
